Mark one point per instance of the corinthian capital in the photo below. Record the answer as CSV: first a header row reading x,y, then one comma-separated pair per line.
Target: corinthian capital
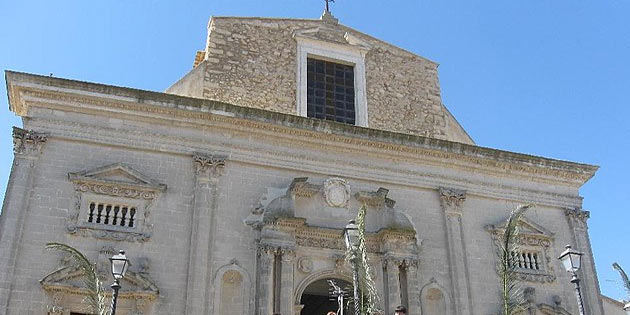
x,y
452,199
208,165
27,142
577,217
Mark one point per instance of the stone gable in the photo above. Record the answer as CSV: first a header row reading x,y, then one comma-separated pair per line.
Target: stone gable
x,y
252,62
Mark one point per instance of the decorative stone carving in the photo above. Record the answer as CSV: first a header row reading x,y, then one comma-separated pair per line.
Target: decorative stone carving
x,y
27,142
208,165
305,264
555,309
452,199
232,277
531,236
143,265
67,280
56,307
479,158
118,181
376,199
577,217
337,192
139,307
302,188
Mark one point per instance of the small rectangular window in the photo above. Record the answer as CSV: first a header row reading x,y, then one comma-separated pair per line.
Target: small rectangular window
x,y
111,214
528,260
330,91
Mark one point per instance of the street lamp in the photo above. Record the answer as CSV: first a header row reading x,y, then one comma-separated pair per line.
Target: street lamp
x,y
572,260
120,263
351,237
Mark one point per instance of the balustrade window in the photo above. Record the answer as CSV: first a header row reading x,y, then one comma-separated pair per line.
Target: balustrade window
x,y
111,214
529,260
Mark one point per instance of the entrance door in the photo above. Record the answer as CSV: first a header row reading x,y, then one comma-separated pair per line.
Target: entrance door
x,y
317,298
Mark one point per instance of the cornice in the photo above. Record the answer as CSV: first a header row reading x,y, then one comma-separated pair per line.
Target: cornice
x,y
32,90
274,156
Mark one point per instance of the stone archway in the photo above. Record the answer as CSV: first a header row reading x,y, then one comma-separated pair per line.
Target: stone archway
x,y
316,298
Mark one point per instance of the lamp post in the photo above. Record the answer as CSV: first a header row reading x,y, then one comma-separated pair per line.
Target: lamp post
x,y
572,259
351,238
120,263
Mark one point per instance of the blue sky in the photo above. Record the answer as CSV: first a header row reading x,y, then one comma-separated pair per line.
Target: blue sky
x,y
548,78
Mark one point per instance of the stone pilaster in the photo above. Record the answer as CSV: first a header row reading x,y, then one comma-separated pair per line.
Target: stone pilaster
x,y
264,292
392,283
208,170
452,201
286,281
590,286
27,147
413,289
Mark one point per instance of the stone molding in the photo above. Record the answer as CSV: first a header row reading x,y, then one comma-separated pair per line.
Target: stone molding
x,y
208,166
28,142
73,131
452,200
318,275
352,52
376,199
536,237
95,182
337,192
476,158
577,217
236,274
406,263
61,282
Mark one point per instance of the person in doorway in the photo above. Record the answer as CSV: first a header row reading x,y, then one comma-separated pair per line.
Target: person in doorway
x,y
400,310
331,313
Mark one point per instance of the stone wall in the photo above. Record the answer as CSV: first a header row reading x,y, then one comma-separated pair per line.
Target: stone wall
x,y
139,129
252,62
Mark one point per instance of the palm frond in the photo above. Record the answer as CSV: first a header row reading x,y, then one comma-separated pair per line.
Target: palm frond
x,y
512,297
369,299
624,278
95,299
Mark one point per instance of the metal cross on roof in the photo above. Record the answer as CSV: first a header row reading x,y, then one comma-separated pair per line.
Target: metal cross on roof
x,y
327,1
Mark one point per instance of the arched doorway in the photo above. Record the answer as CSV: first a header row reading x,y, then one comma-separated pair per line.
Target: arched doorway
x,y
317,299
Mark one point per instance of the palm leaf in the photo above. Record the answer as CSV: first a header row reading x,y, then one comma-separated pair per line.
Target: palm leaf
x,y
95,299
624,278
512,297
367,288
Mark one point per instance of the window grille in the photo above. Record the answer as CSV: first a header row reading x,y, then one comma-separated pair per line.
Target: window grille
x,y
330,91
111,214
529,260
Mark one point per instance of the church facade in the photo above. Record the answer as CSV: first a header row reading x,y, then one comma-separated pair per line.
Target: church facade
x,y
230,190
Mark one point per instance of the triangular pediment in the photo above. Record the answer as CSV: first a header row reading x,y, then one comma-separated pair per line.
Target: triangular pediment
x,y
331,35
526,227
117,173
69,279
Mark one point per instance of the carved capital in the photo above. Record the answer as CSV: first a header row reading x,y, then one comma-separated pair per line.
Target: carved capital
x,y
409,264
208,166
27,142
56,308
452,200
577,217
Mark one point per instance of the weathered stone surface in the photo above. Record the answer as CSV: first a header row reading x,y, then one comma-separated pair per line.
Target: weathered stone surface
x,y
252,62
241,208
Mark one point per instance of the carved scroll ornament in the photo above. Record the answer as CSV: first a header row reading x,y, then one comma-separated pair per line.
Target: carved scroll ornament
x,y
27,141
208,165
